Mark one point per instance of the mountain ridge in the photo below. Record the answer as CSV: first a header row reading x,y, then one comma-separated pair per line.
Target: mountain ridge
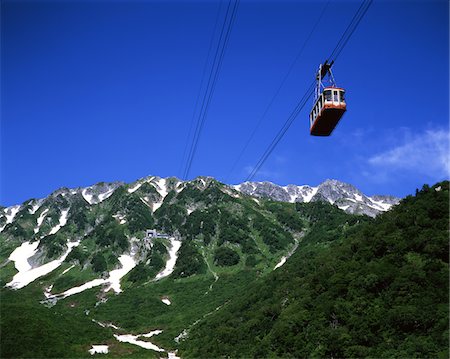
x,y
345,196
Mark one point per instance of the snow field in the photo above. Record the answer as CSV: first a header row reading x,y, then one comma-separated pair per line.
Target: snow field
x,y
10,213
34,208
62,221
40,220
128,263
26,274
133,339
170,264
100,349
101,196
280,263
134,188
161,187
68,269
21,254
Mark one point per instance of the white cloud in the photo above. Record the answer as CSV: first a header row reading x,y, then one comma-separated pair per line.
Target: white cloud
x,y
425,154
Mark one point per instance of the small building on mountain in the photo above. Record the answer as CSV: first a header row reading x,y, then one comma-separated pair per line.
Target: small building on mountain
x,y
153,233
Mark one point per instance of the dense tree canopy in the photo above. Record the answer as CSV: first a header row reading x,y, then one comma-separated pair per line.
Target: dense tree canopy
x,y
378,288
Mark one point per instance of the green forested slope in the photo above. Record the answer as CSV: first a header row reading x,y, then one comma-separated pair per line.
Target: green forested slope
x,y
377,289
227,241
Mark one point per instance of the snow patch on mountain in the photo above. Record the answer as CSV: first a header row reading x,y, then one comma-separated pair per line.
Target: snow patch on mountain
x,y
310,193
48,291
383,206
288,255
99,192
27,274
100,349
179,187
173,255
68,269
40,220
229,191
120,218
21,254
161,187
88,197
135,187
75,290
62,221
10,213
133,339
35,206
106,325
105,195
280,263
128,263
300,193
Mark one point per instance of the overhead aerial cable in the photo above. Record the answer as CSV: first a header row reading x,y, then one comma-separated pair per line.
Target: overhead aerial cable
x,y
200,89
275,95
282,131
212,80
350,30
309,92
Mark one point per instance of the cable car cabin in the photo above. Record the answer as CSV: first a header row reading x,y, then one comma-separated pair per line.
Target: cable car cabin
x,y
327,111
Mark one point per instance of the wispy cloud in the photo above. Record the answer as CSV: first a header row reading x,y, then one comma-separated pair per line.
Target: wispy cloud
x,y
425,154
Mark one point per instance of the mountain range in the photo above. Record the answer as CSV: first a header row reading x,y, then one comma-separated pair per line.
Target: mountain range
x,y
344,196
135,270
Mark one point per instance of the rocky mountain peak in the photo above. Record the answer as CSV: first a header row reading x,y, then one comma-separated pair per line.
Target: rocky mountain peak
x,y
344,195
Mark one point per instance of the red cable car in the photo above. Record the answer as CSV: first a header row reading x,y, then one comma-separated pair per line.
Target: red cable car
x,y
329,104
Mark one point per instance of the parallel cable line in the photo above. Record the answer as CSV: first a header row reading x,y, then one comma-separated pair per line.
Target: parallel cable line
x,y
337,50
207,89
282,131
212,80
275,95
350,29
205,66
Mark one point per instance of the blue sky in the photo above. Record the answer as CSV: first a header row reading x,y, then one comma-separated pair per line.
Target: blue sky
x,y
106,91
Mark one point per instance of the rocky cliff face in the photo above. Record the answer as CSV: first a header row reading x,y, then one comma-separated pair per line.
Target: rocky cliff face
x,y
343,195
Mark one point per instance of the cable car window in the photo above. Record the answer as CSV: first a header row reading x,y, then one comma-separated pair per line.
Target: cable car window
x,y
335,96
327,94
342,96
